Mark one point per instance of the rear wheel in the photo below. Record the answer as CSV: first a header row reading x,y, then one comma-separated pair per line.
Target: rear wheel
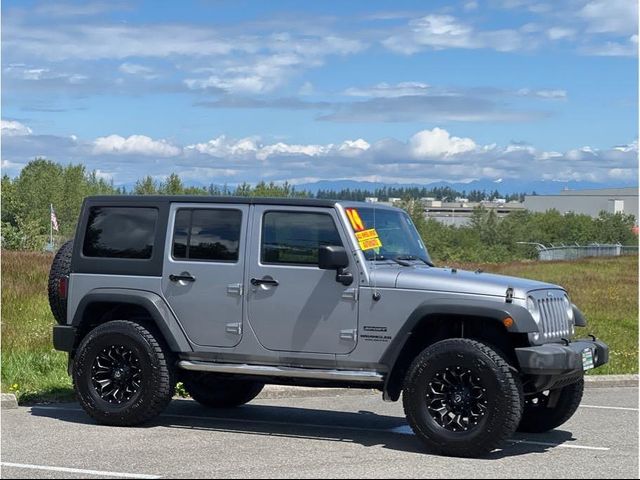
x,y
548,410
214,391
461,398
122,374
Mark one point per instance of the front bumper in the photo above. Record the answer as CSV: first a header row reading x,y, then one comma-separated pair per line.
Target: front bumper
x,y
559,359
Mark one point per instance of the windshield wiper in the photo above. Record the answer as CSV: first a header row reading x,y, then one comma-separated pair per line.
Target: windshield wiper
x,y
407,258
382,258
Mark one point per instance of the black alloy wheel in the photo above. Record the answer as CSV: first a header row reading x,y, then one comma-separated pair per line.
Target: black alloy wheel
x,y
116,374
456,399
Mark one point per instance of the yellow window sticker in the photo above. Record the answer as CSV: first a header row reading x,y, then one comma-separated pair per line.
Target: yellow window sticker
x,y
367,234
370,243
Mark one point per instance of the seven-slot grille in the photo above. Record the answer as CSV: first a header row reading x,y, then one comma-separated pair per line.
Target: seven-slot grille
x,y
555,323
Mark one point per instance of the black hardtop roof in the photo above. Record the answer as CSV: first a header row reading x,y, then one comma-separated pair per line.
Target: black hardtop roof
x,y
162,199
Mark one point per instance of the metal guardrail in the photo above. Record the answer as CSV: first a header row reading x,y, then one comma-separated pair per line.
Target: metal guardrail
x,y
573,252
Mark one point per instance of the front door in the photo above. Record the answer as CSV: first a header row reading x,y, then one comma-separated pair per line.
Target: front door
x,y
293,306
203,271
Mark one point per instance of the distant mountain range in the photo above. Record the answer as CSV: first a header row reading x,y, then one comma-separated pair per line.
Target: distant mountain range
x,y
505,187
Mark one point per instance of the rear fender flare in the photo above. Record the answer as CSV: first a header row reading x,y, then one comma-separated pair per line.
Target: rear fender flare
x,y
160,313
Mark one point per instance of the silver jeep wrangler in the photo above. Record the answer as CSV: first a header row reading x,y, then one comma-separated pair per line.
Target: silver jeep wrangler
x,y
229,294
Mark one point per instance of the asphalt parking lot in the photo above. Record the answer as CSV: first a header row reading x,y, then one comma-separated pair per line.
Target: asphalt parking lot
x,y
351,435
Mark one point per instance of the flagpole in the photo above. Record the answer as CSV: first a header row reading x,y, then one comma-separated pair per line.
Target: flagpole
x,y
51,225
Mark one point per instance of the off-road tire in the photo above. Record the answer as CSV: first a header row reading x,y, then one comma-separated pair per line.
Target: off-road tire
x,y
502,394
157,384
538,418
60,267
213,391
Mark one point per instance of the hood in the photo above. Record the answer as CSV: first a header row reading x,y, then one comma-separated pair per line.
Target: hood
x,y
458,281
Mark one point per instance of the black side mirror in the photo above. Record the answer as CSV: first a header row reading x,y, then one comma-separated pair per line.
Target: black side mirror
x,y
332,258
335,258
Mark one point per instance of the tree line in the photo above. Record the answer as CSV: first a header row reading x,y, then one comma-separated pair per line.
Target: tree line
x,y
26,200
490,239
439,193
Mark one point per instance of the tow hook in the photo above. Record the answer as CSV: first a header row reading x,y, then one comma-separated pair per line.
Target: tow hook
x,y
566,342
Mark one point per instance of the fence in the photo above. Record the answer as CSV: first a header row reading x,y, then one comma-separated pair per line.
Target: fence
x,y
572,252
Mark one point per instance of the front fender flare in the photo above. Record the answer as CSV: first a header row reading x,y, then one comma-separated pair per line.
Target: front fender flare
x,y
492,310
153,303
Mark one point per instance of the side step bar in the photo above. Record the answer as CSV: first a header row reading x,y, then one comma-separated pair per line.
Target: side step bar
x,y
288,372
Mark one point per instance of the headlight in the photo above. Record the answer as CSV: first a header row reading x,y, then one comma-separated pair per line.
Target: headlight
x,y
572,318
569,307
534,310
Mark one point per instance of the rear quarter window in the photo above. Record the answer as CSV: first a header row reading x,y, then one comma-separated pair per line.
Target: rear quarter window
x,y
120,232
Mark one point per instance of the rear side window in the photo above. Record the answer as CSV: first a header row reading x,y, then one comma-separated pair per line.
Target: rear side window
x,y
120,232
295,237
207,234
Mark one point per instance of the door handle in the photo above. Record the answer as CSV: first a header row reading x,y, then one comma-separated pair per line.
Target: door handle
x,y
264,281
184,277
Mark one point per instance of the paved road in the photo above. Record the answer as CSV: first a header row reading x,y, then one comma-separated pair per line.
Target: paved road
x,y
326,437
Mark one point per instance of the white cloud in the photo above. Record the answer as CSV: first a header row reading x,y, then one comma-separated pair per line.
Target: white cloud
x,y
446,31
12,128
135,69
223,146
550,94
428,155
389,90
611,16
438,143
134,145
471,6
611,48
286,55
561,33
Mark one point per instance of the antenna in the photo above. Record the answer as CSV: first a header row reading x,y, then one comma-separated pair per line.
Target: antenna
x,y
376,293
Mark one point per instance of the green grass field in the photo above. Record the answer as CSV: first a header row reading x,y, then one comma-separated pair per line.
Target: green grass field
x,y
605,289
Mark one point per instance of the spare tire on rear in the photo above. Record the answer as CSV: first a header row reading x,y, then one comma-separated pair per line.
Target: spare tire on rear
x,y
61,267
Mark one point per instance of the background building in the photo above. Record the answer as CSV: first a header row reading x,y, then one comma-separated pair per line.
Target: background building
x,y
588,202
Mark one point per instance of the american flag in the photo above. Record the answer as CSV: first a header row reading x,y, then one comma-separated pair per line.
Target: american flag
x,y
54,220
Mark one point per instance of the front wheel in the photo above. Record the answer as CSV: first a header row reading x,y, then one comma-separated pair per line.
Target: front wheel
x,y
548,410
122,374
462,398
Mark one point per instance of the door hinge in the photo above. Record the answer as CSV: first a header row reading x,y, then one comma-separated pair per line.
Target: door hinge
x,y
234,328
235,289
350,294
351,334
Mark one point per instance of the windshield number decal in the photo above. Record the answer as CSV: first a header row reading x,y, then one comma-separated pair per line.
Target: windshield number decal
x,y
354,217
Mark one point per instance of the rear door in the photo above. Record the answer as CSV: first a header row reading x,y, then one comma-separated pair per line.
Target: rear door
x,y
293,306
203,271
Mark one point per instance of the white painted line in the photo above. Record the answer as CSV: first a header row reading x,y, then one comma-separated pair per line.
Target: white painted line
x,y
625,409
561,445
97,473
406,430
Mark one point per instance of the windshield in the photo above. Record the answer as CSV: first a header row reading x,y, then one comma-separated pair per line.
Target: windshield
x,y
398,235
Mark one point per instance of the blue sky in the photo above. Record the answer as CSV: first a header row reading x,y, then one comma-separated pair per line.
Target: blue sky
x,y
399,91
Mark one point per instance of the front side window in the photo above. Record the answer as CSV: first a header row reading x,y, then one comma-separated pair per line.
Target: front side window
x,y
295,237
207,235
120,232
